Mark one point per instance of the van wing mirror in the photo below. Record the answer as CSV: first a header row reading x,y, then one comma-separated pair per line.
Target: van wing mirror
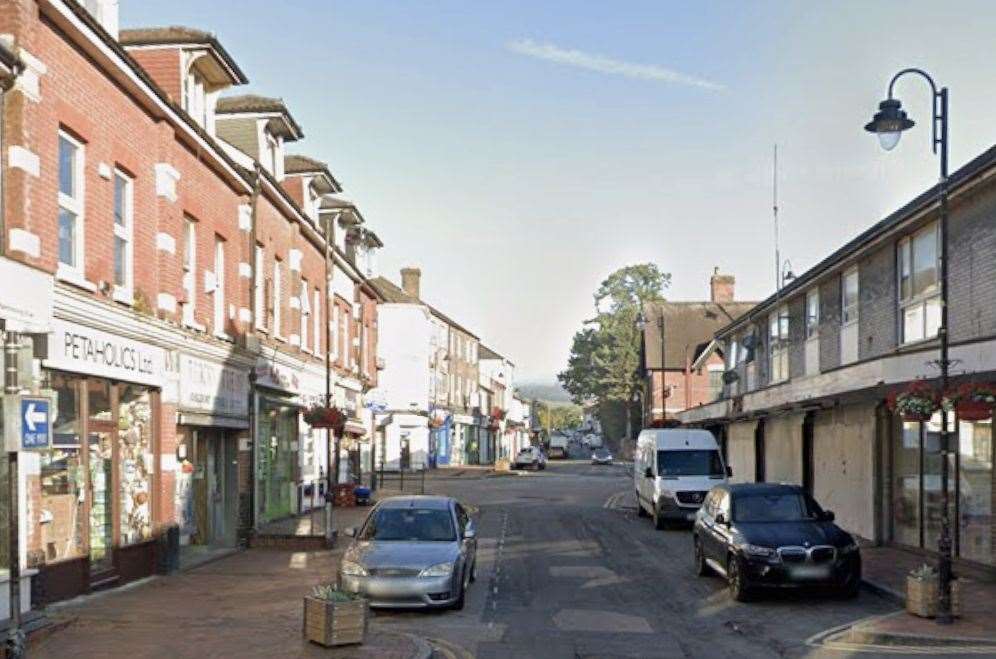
x,y
649,473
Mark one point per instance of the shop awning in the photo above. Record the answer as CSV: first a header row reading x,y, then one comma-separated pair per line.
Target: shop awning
x,y
355,428
201,419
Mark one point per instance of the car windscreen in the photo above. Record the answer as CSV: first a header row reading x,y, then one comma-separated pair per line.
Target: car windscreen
x,y
409,525
601,453
780,507
689,462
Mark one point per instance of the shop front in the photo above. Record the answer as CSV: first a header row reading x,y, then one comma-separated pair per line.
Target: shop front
x,y
441,437
212,442
275,444
916,494
95,520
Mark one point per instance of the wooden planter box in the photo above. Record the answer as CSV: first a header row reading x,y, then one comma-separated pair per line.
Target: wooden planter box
x,y
335,623
921,597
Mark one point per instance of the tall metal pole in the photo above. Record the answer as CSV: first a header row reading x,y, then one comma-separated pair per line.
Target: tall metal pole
x,y
774,206
330,479
944,543
15,637
660,326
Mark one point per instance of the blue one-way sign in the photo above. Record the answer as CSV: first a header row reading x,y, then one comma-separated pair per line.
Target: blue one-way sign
x,y
36,426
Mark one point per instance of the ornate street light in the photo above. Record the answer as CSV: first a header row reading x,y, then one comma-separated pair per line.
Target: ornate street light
x,y
889,123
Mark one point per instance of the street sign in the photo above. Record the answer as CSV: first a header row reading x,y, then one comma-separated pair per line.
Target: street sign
x,y
27,422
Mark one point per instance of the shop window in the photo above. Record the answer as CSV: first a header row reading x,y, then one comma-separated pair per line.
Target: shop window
x,y
136,460
61,514
906,486
975,489
100,460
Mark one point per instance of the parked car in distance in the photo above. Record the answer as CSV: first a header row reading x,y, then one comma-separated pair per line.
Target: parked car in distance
x,y
412,552
601,456
766,535
673,469
530,457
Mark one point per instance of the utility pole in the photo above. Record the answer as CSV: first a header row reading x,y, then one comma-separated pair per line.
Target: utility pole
x,y
774,206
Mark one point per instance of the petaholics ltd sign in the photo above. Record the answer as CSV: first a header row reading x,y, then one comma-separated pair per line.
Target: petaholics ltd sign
x,y
213,388
82,349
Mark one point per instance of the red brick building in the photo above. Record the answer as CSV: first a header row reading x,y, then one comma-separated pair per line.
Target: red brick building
x,y
171,262
680,371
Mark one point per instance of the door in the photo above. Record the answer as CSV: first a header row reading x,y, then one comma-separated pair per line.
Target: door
x,y
759,452
807,454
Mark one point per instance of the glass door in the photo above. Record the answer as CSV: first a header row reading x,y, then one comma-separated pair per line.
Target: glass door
x,y
100,451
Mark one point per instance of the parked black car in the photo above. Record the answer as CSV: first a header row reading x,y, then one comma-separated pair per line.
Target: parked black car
x,y
767,535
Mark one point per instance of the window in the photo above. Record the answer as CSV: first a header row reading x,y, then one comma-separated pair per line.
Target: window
x,y
316,319
272,153
219,286
778,344
919,285
194,98
123,216
277,295
189,271
812,313
715,382
70,202
258,288
689,462
135,421
849,297
731,359
305,312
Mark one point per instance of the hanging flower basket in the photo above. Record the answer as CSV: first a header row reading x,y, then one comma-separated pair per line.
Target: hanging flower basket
x,y
917,402
497,413
973,401
320,416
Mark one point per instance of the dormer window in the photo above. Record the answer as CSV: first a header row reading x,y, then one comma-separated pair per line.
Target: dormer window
x,y
273,157
194,97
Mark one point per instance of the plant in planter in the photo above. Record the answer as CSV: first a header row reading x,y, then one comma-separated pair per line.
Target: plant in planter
x,y
973,401
922,592
917,402
334,617
320,416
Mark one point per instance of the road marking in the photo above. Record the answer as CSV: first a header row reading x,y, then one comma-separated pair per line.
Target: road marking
x,y
615,501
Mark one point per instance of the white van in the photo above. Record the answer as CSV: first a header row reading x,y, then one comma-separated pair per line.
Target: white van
x,y
673,469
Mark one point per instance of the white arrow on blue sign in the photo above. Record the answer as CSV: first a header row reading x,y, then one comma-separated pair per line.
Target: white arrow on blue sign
x,y
36,426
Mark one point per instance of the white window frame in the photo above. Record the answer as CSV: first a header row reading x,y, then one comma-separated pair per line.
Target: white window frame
x,y
272,152
305,312
849,315
778,345
732,357
219,288
813,313
259,288
124,232
926,305
277,297
189,266
195,96
74,204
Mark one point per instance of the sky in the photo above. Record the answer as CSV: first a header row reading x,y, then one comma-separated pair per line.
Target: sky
x,y
519,152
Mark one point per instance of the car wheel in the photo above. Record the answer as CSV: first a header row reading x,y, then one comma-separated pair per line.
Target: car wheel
x,y
462,599
659,522
473,572
737,580
701,569
851,588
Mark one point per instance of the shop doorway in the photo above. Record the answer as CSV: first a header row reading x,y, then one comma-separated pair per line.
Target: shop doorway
x,y
207,490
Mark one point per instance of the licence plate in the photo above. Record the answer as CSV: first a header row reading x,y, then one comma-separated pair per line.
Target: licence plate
x,y
810,572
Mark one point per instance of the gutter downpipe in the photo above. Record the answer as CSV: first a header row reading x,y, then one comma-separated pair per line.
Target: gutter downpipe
x,y
254,305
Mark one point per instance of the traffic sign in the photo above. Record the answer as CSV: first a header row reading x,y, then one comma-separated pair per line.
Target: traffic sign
x,y
28,422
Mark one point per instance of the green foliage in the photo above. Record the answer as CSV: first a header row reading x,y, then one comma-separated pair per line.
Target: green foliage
x,y
604,363
330,593
560,417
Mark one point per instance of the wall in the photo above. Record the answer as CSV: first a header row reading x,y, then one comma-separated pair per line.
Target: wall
x,y
740,451
830,322
844,478
404,333
783,449
972,268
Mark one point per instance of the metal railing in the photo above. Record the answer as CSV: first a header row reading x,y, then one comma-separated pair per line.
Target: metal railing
x,y
400,479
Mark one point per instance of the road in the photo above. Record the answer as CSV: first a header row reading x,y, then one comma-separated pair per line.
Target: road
x,y
567,569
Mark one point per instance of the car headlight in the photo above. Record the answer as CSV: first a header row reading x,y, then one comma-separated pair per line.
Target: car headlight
x,y
758,550
351,569
437,570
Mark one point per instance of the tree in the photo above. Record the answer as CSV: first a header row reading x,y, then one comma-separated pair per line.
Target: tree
x,y
604,364
559,417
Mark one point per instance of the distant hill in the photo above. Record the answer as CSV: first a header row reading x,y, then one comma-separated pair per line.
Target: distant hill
x,y
548,391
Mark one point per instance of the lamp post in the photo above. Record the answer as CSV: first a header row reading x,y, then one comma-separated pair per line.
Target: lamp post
x,y
889,123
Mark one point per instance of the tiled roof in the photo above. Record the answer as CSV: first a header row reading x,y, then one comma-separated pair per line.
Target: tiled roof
x,y
244,103
686,326
178,34
391,292
298,164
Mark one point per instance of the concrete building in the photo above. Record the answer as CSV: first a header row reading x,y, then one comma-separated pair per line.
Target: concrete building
x,y
809,371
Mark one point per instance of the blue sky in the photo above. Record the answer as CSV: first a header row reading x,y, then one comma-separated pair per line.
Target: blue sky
x,y
518,152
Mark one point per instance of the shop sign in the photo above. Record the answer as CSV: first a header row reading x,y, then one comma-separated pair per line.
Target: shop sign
x,y
214,388
82,349
26,306
269,374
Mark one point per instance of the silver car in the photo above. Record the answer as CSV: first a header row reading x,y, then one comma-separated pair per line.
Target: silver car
x,y
412,552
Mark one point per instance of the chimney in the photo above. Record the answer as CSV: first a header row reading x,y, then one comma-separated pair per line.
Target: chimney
x,y
410,278
106,13
721,286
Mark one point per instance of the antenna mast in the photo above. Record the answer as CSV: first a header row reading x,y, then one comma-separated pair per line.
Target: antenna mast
x,y
774,206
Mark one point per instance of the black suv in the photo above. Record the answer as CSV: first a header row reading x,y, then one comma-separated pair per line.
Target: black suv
x,y
759,534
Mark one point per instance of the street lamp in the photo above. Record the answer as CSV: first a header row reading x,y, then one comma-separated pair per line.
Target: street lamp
x,y
889,123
